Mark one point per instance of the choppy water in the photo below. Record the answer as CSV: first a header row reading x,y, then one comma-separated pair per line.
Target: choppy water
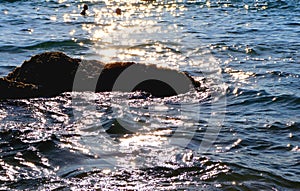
x,y
243,134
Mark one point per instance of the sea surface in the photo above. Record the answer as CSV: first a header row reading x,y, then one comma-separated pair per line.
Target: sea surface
x,y
243,133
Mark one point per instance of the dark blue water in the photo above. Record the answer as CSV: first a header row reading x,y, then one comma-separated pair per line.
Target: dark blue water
x,y
243,134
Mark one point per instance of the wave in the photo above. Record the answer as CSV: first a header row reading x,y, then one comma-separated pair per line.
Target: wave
x,y
46,46
246,97
5,70
250,178
45,136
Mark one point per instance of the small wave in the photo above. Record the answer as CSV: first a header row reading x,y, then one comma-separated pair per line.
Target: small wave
x,y
11,1
6,69
249,178
245,97
283,74
292,24
57,45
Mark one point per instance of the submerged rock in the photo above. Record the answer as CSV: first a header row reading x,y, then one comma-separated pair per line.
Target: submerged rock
x,y
52,73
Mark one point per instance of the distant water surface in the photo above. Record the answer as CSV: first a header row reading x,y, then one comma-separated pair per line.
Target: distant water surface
x,y
242,134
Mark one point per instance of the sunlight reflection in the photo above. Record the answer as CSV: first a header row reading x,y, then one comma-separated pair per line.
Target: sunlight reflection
x,y
72,32
134,35
53,18
239,76
3,114
67,18
61,1
138,141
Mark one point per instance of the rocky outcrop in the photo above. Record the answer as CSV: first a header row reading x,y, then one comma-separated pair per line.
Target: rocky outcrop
x,y
51,73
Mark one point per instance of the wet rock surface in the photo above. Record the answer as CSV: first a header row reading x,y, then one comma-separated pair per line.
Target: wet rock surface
x,y
52,73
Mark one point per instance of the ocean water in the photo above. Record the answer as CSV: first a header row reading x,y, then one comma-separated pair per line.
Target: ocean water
x,y
241,134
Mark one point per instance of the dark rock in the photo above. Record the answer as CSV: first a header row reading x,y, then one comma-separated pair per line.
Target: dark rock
x,y
51,73
13,90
